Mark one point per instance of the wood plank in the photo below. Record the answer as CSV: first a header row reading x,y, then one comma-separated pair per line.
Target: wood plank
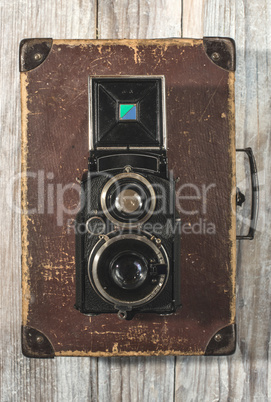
x,y
22,379
246,375
136,379
149,379
135,19
193,18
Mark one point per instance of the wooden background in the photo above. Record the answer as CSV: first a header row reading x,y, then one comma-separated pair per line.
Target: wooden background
x,y
245,376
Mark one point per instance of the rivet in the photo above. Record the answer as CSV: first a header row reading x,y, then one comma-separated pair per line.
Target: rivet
x,y
215,56
128,168
39,339
218,337
38,56
122,315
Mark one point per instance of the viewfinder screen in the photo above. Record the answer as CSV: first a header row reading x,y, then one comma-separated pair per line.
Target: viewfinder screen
x,y
127,111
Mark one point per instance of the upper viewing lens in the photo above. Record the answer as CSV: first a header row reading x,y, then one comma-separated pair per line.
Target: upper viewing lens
x,y
128,201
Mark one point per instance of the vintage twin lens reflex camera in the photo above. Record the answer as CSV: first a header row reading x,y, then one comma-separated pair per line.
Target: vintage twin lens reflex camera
x,y
127,231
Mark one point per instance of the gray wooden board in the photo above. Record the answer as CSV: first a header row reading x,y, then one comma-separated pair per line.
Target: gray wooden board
x,y
244,376
22,379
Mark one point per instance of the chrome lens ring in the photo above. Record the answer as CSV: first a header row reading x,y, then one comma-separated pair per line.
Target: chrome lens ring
x,y
135,178
95,258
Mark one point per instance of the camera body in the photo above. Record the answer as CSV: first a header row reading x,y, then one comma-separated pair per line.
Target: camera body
x,y
127,231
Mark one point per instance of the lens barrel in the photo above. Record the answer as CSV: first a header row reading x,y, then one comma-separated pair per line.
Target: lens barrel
x,y
119,268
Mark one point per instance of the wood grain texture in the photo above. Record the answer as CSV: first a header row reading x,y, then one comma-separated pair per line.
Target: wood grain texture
x,y
134,19
245,376
136,379
22,379
193,14
140,19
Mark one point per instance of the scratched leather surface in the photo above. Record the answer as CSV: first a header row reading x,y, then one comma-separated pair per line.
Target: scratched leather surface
x,y
200,127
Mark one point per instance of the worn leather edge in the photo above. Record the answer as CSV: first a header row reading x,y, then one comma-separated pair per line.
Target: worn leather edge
x,y
223,342
155,41
36,344
33,52
232,156
116,353
25,257
226,345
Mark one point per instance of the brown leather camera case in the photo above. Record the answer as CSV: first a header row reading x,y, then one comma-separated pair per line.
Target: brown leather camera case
x,y
199,76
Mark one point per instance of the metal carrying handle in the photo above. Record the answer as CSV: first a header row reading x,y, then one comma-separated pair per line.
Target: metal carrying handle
x,y
255,195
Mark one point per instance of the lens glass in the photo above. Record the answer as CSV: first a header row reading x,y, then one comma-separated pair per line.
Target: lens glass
x,y
129,270
128,201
